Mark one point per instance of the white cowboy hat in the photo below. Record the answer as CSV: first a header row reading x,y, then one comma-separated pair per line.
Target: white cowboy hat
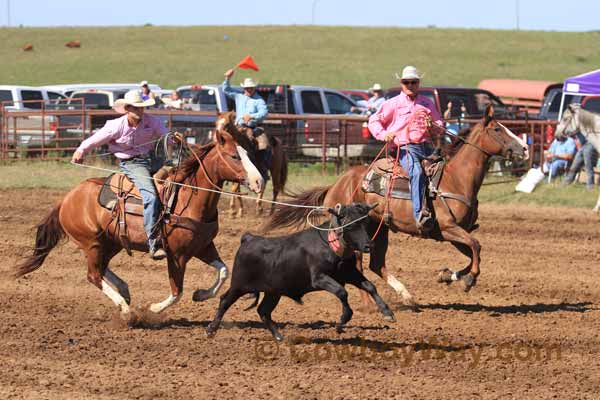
x,y
144,83
409,72
132,98
376,87
248,83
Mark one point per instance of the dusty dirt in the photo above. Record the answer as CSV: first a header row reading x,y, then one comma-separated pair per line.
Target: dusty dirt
x,y
528,330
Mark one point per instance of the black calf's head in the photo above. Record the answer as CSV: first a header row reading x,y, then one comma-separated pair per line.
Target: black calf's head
x,y
354,236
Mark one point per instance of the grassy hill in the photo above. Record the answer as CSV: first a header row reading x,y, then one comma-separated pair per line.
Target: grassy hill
x,y
339,57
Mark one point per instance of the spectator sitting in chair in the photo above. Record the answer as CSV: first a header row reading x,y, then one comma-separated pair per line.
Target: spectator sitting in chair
x,y
561,153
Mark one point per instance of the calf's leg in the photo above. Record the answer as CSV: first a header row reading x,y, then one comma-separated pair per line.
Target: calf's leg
x,y
227,300
265,308
327,283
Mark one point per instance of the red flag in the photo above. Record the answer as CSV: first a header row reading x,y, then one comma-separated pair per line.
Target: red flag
x,y
247,63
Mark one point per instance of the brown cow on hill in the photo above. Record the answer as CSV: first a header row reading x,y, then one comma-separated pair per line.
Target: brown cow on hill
x,y
73,44
27,47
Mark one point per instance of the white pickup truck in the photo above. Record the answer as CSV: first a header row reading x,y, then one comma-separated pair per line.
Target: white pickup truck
x,y
20,130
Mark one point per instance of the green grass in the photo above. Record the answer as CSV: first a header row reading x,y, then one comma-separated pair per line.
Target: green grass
x,y
339,57
63,176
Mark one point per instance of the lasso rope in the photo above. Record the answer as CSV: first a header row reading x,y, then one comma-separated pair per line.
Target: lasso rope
x,y
332,229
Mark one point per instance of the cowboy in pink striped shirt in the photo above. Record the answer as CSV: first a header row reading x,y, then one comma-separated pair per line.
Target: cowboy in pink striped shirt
x,y
406,120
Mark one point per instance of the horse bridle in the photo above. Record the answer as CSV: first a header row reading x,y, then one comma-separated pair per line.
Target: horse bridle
x,y
484,151
204,170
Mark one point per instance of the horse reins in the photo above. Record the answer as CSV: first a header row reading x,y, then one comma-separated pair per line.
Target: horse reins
x,y
204,170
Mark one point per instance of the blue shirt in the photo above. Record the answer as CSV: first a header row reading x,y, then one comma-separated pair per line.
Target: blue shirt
x,y
375,102
253,105
566,147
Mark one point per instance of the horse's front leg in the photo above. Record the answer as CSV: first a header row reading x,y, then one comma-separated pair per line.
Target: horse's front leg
x,y
235,188
377,263
367,301
471,248
259,203
176,275
211,257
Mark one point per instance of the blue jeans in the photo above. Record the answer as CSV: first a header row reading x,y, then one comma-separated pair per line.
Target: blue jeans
x,y
138,170
556,167
588,156
410,158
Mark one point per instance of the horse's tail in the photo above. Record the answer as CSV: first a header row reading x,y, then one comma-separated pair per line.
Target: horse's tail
x,y
283,176
49,234
286,216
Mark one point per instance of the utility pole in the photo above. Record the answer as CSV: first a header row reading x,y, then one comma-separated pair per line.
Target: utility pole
x,y
517,12
314,9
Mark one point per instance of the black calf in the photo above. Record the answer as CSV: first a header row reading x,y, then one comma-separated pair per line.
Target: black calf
x,y
302,262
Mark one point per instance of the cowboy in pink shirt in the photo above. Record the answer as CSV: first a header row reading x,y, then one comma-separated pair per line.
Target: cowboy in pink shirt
x,y
132,138
407,120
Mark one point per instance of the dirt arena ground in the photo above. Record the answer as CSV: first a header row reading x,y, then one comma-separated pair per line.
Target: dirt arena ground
x,y
528,330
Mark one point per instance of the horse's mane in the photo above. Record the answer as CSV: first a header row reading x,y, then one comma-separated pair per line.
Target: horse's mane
x,y
457,143
587,119
190,165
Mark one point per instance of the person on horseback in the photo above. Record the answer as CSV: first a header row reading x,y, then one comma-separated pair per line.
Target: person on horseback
x,y
406,121
131,138
251,110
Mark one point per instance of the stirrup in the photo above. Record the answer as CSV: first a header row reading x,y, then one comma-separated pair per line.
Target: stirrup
x,y
158,253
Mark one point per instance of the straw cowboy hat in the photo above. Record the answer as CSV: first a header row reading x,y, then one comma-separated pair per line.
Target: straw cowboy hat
x,y
409,72
132,98
248,83
376,88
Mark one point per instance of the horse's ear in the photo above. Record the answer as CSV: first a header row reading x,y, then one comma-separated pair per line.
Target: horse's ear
x,y
221,137
489,114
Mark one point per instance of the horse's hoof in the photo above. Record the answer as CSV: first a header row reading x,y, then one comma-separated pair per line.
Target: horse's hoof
x,y
445,276
201,295
339,328
389,318
468,282
278,337
210,332
408,300
126,316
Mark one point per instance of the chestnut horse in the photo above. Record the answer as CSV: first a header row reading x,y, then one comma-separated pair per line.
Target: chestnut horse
x,y
193,226
279,173
455,208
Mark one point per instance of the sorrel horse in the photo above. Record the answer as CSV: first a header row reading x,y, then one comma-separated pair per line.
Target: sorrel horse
x,y
455,209
279,172
92,228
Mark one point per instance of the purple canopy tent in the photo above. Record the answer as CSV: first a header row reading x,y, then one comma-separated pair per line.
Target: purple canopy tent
x,y
587,84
